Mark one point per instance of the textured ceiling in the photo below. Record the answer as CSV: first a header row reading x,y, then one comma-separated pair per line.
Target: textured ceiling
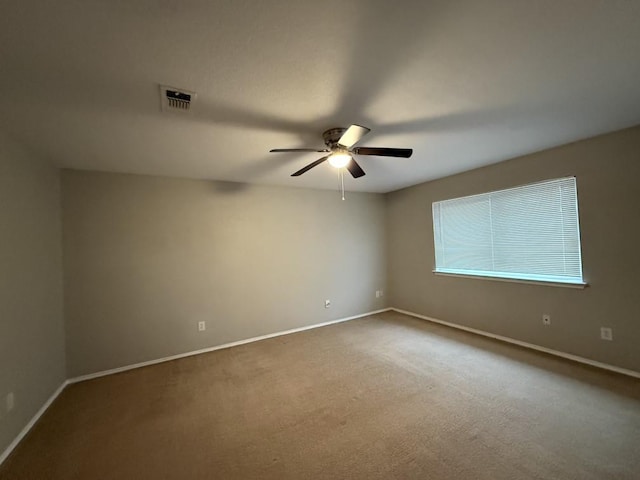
x,y
464,83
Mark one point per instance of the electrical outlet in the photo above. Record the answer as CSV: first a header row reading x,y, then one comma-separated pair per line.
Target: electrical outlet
x,y
546,319
606,333
327,303
10,401
202,326
377,293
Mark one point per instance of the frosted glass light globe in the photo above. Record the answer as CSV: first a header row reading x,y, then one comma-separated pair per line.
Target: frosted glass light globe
x,y
339,160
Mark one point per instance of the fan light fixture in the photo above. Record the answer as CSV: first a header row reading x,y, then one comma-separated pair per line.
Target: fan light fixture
x,y
339,160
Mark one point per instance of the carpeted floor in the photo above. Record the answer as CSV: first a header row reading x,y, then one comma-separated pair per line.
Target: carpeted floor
x,y
383,397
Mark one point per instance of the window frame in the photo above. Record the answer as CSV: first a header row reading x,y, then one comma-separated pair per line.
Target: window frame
x,y
535,279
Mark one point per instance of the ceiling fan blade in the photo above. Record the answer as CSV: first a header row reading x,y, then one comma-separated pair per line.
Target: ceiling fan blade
x,y
352,136
354,169
309,167
278,150
384,152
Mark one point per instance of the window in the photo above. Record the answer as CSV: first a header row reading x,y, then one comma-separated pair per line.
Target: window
x,y
522,233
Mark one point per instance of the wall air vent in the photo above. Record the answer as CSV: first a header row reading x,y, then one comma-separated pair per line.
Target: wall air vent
x,y
176,99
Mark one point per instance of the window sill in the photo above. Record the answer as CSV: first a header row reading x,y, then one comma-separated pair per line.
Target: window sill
x,y
515,280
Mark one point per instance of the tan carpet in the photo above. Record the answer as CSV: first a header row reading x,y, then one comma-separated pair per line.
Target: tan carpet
x,y
384,397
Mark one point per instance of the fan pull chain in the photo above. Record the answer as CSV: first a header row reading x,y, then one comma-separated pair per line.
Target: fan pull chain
x,y
342,181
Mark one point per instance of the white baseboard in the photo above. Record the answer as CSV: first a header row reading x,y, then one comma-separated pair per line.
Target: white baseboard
x,y
217,347
55,394
44,407
532,346
32,422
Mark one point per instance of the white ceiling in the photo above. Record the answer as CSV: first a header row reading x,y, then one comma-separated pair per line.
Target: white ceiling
x,y
464,83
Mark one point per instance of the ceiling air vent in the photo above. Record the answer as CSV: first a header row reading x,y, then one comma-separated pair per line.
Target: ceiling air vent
x,y
175,100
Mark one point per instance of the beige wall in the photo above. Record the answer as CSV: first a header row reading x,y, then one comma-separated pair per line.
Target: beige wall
x,y
608,177
32,359
146,258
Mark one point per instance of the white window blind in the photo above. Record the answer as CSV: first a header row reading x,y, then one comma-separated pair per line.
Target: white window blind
x,y
528,233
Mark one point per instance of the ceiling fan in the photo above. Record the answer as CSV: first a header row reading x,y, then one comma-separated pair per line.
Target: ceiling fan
x,y
341,148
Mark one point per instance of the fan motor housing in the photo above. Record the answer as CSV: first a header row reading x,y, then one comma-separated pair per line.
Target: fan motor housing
x,y
332,136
